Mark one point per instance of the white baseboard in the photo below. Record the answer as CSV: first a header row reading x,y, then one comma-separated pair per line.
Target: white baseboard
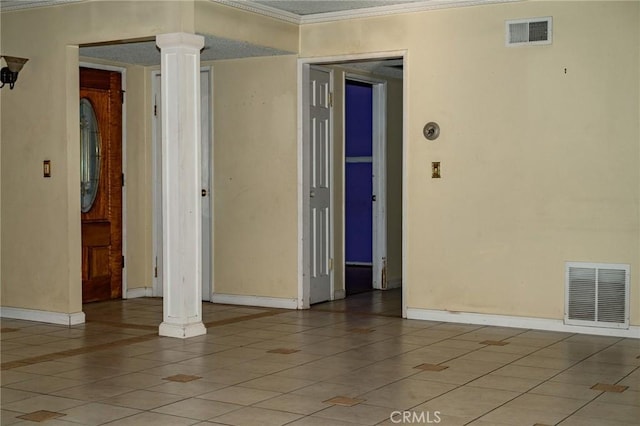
x,y
42,316
518,322
262,301
394,283
134,293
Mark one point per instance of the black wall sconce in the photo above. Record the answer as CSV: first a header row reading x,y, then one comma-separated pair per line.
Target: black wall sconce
x,y
9,74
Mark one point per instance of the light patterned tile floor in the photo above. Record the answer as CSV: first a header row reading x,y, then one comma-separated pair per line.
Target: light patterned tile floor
x,y
276,367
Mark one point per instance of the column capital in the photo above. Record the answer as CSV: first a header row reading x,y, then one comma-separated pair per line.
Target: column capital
x,y
188,40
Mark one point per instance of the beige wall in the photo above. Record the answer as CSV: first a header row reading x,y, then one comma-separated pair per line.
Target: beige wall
x,y
229,22
41,217
40,225
255,180
539,166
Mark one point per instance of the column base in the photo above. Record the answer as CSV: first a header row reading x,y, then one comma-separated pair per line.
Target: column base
x,y
182,331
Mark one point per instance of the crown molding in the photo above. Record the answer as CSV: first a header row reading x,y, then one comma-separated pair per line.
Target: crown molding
x,y
395,9
368,12
261,9
8,5
292,18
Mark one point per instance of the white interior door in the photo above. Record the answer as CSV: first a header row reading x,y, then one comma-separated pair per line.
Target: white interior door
x,y
206,159
379,248
320,185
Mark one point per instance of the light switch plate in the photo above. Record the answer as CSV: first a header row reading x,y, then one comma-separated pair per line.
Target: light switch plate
x,y
46,168
435,170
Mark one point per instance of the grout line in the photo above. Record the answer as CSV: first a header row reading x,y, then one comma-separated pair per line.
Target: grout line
x,y
124,342
549,379
227,321
72,352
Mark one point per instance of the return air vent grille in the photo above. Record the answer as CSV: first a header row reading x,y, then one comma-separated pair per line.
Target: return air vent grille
x,y
597,295
529,31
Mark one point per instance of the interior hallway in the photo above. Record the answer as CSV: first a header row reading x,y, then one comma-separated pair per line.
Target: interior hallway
x,y
353,361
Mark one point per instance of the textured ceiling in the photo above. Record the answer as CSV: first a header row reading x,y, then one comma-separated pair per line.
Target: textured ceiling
x,y
311,7
297,7
146,53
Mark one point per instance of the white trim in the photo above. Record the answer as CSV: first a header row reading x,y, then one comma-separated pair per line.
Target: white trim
x,y
354,160
263,10
517,322
303,207
156,219
368,12
42,316
21,4
262,301
123,138
405,177
135,293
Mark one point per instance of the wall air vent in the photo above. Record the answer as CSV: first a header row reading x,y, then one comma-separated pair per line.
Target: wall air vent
x,y
597,295
532,31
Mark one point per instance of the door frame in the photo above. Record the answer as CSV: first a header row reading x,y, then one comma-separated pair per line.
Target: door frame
x,y
303,163
156,152
123,84
379,181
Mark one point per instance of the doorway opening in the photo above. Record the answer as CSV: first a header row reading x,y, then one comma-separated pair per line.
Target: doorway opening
x,y
360,170
101,183
365,153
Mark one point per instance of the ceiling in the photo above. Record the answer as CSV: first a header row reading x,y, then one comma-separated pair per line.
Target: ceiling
x,y
297,7
310,7
147,54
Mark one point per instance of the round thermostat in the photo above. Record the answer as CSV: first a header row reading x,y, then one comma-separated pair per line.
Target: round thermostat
x,y
431,131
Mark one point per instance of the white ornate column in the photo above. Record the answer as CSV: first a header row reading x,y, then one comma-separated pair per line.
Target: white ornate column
x,y
181,198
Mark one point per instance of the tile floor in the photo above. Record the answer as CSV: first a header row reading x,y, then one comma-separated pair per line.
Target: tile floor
x,y
342,363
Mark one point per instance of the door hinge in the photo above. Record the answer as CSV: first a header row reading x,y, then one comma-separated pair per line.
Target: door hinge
x,y
122,179
122,92
331,99
155,110
155,269
122,262
331,264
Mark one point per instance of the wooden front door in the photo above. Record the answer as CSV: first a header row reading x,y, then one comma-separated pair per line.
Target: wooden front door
x,y
101,184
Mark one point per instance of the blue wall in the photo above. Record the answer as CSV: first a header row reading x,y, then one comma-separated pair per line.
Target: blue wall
x,y
358,176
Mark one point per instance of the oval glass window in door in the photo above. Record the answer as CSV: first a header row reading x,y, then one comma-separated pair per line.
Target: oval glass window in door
x,y
89,155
